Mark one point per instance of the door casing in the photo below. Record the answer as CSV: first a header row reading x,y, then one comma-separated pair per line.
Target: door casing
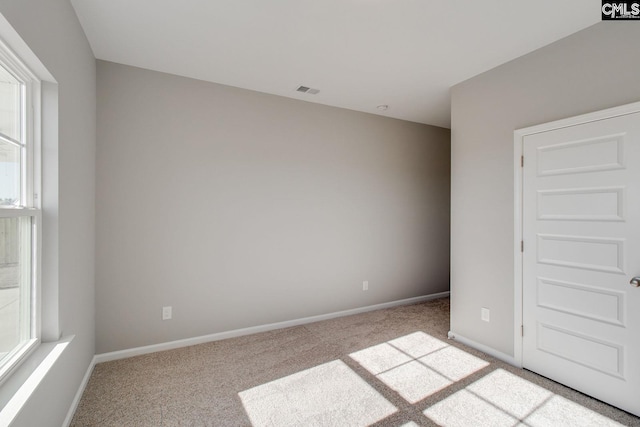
x,y
518,138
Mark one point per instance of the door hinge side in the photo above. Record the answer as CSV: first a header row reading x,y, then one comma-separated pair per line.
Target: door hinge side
x,y
521,161
521,330
521,245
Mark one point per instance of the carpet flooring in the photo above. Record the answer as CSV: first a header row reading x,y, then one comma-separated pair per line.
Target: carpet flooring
x,y
392,367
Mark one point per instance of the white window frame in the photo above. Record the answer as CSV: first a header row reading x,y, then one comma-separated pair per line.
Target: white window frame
x,y
30,188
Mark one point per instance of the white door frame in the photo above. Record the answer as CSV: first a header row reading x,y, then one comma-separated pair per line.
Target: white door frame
x,y
518,139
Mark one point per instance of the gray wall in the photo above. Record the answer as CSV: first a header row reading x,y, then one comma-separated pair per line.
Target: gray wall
x,y
239,208
52,31
591,70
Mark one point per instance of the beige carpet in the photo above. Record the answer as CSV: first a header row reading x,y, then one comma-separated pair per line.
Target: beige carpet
x,y
391,367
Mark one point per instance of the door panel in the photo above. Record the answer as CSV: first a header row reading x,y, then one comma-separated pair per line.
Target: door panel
x,y
581,232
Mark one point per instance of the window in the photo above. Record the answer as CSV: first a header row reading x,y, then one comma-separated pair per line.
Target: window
x,y
19,212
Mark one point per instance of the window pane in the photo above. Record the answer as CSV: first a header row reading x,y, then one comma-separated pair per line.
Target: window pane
x,y
15,283
10,97
9,173
10,138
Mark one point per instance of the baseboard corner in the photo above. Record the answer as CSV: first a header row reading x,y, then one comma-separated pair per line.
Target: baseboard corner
x,y
483,348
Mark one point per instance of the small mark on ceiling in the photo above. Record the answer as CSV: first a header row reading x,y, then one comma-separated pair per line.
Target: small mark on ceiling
x,y
305,89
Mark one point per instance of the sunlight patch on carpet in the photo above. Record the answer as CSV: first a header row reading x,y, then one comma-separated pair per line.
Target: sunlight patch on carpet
x,y
380,358
504,399
328,394
453,363
510,393
414,381
418,344
559,411
464,409
418,365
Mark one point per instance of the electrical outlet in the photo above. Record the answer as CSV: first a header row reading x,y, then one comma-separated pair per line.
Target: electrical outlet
x,y
365,285
166,313
484,314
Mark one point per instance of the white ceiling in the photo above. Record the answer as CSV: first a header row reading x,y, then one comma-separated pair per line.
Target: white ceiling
x,y
359,53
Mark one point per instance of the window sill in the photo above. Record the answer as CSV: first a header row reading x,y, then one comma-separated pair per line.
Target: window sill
x,y
21,384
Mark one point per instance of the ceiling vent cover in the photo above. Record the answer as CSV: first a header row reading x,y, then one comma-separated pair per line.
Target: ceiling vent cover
x,y
305,89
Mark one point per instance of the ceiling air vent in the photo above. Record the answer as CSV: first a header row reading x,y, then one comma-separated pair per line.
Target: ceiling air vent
x,y
305,89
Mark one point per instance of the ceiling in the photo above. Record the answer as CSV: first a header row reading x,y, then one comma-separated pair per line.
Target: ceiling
x,y
359,53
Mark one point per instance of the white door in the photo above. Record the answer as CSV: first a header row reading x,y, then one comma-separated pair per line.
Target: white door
x,y
581,233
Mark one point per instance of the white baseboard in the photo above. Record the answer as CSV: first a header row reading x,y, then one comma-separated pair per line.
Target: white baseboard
x,y
78,396
137,351
485,349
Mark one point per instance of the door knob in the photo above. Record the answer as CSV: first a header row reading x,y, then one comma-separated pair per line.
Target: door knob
x,y
635,281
